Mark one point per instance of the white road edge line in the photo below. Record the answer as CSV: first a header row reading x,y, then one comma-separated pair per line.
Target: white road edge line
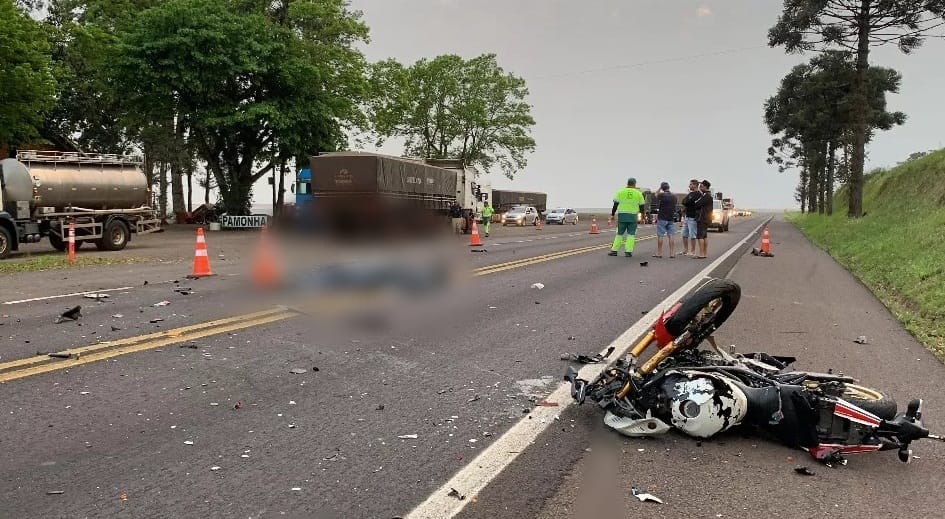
x,y
472,478
66,295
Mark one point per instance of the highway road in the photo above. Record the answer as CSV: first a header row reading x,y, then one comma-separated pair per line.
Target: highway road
x,y
232,406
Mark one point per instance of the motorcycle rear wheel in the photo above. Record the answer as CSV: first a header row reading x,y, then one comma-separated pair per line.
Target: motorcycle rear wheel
x,y
872,400
706,309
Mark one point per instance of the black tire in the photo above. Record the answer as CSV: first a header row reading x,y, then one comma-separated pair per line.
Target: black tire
x,y
115,235
727,292
871,400
6,242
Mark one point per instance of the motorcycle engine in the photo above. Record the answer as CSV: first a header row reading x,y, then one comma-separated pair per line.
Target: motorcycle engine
x,y
702,404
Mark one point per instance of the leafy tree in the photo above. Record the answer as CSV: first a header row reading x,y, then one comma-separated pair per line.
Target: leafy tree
x,y
449,107
856,26
242,83
813,114
27,85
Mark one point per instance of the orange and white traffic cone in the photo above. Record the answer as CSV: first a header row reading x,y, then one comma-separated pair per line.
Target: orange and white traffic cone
x,y
265,273
594,229
474,240
201,258
765,245
71,243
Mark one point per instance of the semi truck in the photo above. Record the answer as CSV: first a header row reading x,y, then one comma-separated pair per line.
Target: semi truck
x,y
106,198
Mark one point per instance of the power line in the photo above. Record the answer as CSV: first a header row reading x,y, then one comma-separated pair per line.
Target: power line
x,y
644,63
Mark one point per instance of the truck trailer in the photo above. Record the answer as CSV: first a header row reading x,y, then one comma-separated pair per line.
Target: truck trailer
x,y
503,199
106,197
355,191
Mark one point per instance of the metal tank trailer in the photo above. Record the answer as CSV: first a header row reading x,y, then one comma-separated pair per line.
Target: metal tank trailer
x,y
42,192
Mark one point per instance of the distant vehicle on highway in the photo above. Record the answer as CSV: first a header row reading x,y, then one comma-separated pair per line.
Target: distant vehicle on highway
x,y
520,215
562,216
720,217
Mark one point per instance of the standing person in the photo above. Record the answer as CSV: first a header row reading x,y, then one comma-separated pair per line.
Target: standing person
x,y
690,215
487,212
704,203
628,204
456,215
665,226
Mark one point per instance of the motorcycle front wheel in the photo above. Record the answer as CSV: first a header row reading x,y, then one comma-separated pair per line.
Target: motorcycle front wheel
x,y
705,309
871,400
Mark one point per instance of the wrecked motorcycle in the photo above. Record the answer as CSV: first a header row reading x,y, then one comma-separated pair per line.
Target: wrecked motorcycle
x,y
703,392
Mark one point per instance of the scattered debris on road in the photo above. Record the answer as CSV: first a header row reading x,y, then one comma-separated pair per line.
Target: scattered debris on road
x,y
545,403
298,371
455,493
539,286
380,407
238,404
214,468
408,436
55,492
162,303
156,320
586,359
73,314
644,263
860,340
804,471
97,297
188,442
642,495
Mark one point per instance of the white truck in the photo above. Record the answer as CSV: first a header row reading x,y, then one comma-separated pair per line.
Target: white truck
x,y
472,191
106,197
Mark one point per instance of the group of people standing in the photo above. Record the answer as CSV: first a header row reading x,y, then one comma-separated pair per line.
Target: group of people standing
x,y
462,218
629,202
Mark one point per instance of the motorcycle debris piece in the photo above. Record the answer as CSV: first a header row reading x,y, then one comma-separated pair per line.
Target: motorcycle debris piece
x,y
636,428
643,495
539,286
455,493
298,371
408,436
96,296
804,471
587,359
860,340
73,314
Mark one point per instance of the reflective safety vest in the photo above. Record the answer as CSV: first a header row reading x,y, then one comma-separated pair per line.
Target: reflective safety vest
x,y
487,211
629,200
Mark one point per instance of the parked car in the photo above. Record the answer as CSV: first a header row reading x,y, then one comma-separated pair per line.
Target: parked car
x,y
562,216
720,217
520,216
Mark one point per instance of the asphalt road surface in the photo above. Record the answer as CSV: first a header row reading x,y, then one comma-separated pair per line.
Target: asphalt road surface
x,y
198,415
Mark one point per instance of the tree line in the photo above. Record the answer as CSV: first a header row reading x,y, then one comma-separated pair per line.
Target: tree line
x,y
826,111
220,93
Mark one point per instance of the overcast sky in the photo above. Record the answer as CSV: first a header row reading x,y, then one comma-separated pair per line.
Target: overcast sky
x,y
642,88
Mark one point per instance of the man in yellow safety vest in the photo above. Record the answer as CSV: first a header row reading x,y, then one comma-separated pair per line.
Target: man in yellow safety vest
x,y
487,212
628,204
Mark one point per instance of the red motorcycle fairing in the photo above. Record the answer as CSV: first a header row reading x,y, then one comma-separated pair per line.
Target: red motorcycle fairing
x,y
662,335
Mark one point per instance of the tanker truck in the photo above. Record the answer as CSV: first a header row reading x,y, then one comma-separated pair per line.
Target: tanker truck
x,y
43,192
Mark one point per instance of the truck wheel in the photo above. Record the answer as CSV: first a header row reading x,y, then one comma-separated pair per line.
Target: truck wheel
x,y
115,236
6,243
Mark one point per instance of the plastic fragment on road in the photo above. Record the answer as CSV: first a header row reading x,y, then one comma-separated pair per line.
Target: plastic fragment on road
x,y
188,442
643,495
455,493
72,314
298,371
215,468
55,492
804,471
587,359
408,436
860,340
539,286
162,303
96,296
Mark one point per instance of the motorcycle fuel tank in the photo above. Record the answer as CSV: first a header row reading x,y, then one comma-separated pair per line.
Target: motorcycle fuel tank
x,y
703,404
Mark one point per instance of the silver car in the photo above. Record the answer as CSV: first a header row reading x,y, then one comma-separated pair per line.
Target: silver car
x,y
562,216
520,216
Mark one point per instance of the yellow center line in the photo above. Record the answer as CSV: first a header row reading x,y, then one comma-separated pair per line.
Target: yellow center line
x,y
73,357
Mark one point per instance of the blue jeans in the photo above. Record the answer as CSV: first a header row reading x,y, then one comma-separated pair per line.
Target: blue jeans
x,y
665,228
689,229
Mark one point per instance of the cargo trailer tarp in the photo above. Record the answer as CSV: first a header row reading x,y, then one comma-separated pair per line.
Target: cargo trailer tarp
x,y
369,173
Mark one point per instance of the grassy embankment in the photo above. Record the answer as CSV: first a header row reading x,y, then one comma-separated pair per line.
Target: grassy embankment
x,y
898,248
55,262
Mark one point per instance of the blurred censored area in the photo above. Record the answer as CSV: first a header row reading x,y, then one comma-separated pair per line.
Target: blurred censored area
x,y
367,283
344,218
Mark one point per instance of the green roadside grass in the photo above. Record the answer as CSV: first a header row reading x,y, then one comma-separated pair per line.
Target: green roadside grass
x,y
56,262
898,248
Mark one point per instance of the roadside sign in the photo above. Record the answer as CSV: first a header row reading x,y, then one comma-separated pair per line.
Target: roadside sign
x,y
245,222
